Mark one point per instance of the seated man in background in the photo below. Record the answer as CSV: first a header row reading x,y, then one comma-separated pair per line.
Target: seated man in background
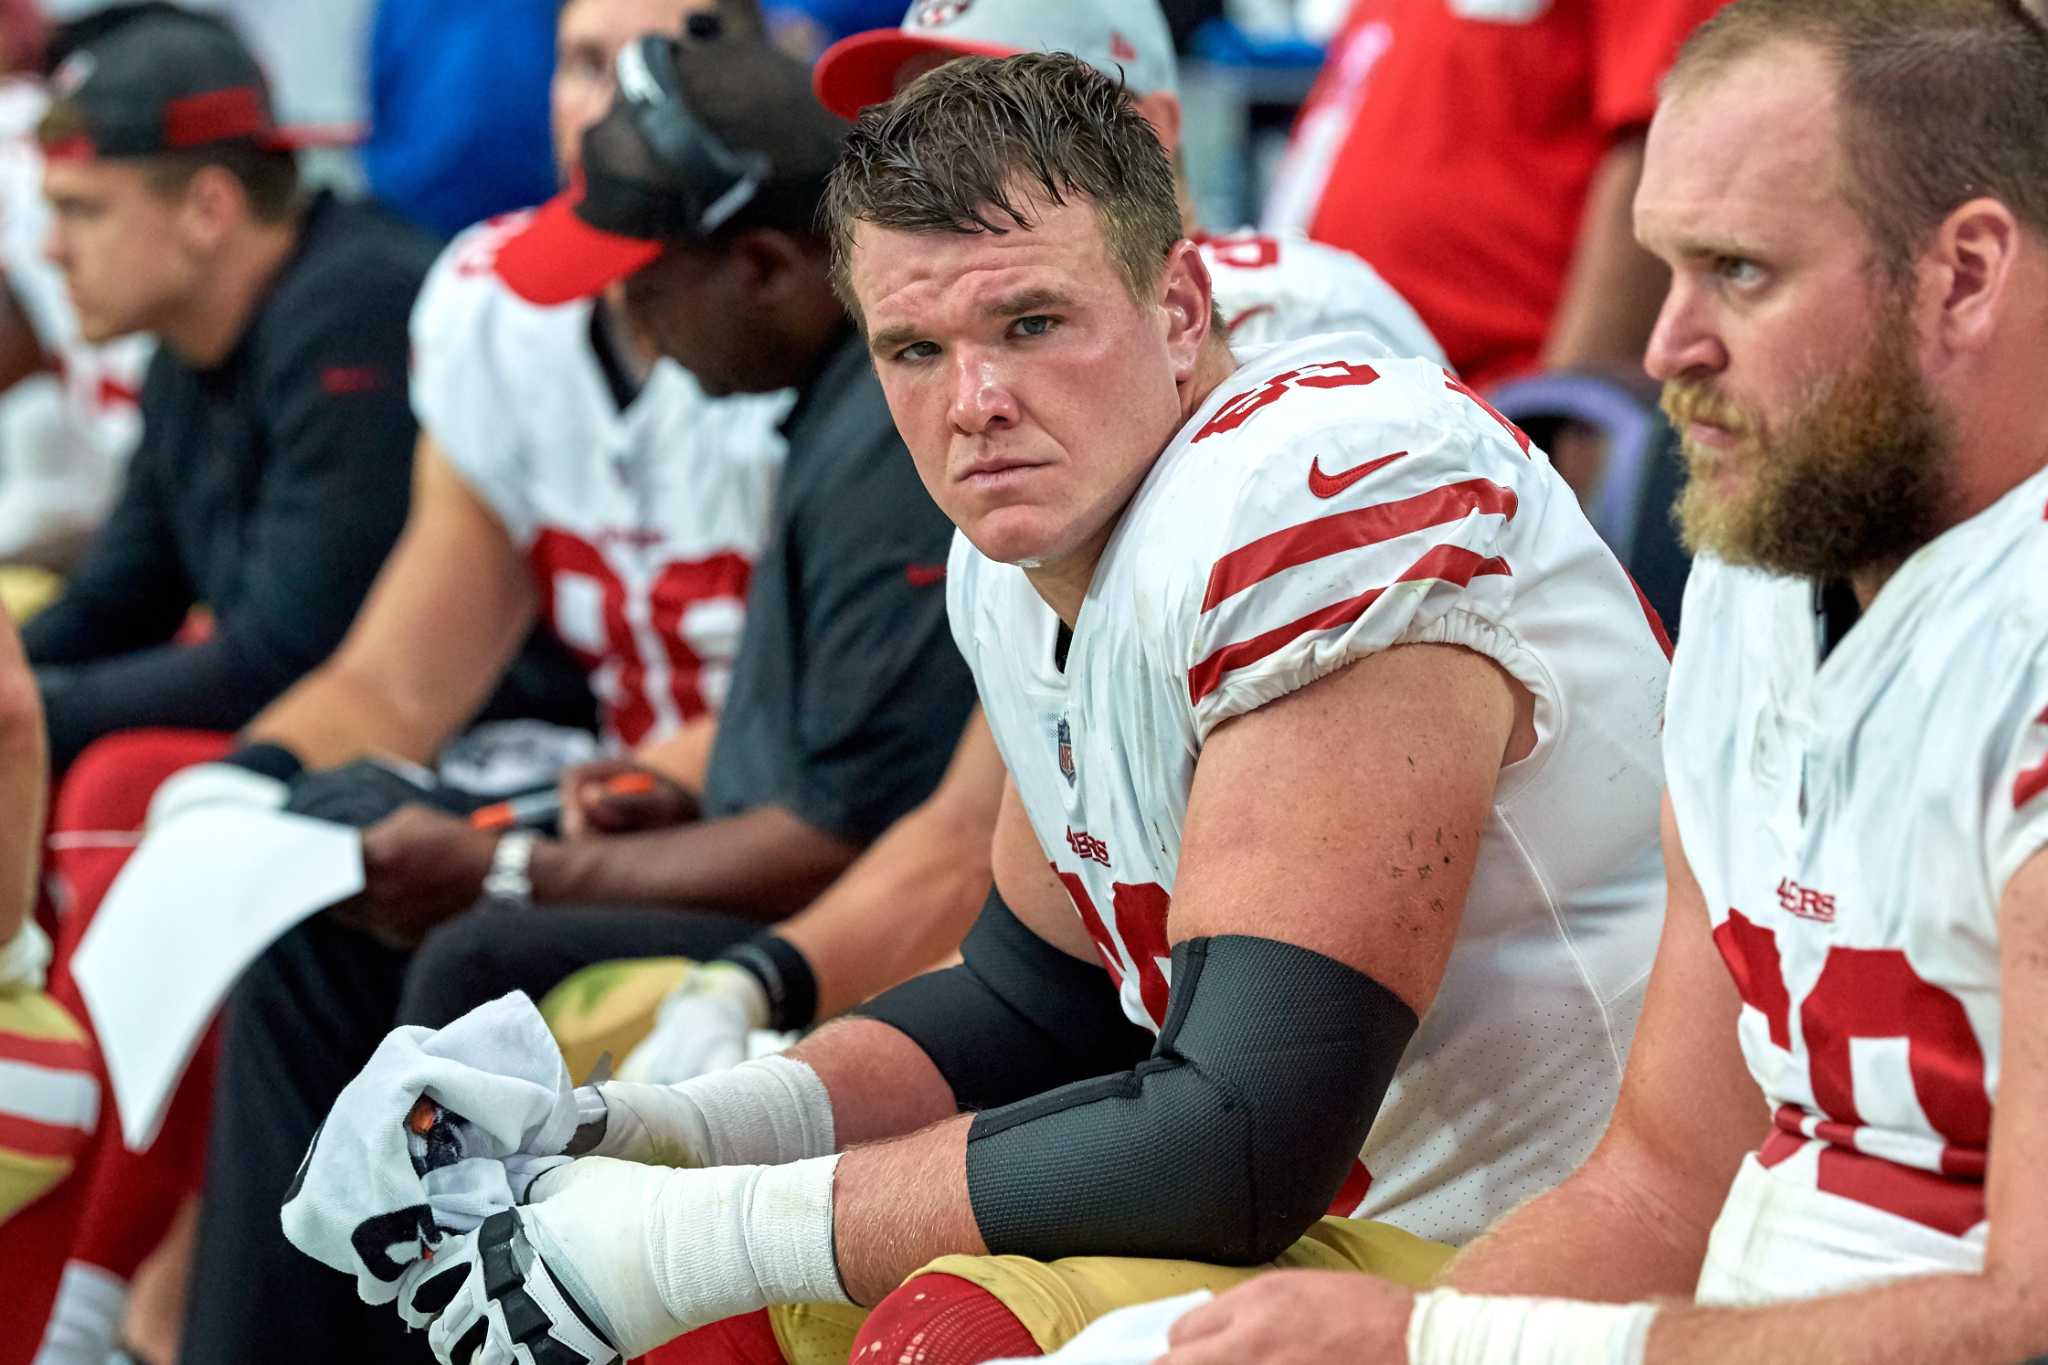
x,y
556,473
1330,729
908,902
1853,199
69,421
277,446
701,189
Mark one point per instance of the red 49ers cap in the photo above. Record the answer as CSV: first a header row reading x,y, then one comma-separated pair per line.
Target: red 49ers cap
x,y
712,132
1127,37
162,82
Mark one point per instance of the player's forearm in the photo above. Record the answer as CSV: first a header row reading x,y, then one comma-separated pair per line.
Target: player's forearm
x,y
337,713
881,1084
763,863
901,908
1614,288
684,756
1938,1320
1600,1235
898,1204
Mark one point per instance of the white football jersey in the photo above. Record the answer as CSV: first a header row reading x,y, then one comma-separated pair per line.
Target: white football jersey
x,y
1271,289
1853,822
63,472
1324,504
641,524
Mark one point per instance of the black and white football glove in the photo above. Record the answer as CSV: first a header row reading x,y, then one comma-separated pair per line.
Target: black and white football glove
x,y
487,1298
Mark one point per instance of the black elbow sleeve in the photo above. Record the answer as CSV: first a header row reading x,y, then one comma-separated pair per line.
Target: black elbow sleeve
x,y
1016,1018
1227,1143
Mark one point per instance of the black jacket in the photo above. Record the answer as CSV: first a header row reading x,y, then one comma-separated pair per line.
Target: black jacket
x,y
268,488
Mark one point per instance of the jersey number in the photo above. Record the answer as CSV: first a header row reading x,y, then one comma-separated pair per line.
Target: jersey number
x,y
1869,994
1335,374
1244,251
631,711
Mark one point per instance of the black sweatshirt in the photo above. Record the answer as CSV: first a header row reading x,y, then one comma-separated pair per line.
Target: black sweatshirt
x,y
268,488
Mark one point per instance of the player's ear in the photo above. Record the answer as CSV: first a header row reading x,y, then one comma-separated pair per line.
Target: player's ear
x,y
1185,301
769,260
1968,268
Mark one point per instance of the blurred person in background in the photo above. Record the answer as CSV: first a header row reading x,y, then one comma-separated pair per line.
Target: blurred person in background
x,y
278,394
1483,154
602,473
458,105
276,399
69,418
699,193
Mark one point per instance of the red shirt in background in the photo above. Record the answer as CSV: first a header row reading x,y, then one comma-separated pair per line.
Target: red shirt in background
x,y
1451,143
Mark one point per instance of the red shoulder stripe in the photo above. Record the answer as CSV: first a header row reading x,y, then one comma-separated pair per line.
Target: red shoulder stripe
x,y
1312,540
1447,563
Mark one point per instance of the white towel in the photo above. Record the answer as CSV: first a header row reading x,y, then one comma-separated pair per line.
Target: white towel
x,y
358,1203
1129,1336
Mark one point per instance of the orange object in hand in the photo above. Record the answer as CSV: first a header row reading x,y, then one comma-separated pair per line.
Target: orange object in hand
x,y
544,806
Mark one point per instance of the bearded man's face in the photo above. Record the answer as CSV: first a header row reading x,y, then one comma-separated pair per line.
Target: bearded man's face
x,y
1848,479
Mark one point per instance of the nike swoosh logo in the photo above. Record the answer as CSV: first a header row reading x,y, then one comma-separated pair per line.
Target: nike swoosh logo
x,y
1330,485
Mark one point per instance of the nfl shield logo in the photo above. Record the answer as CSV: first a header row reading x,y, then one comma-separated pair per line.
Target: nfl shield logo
x,y
1066,735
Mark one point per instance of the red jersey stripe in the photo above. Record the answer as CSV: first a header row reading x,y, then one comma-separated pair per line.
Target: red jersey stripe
x,y
57,1054
1312,540
27,1137
1447,563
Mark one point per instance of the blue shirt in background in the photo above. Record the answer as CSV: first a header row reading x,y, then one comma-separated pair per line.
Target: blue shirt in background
x,y
459,108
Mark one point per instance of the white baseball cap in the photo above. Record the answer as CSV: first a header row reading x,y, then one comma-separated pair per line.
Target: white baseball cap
x,y
1127,36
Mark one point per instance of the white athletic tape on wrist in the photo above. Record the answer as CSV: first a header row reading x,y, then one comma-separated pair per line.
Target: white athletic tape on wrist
x,y
768,1112
656,1253
775,1247
1449,1328
25,957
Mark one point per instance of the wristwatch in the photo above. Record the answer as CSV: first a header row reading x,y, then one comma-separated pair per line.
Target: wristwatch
x,y
508,882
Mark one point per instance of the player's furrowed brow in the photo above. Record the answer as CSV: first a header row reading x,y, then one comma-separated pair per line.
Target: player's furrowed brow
x,y
891,339
1030,301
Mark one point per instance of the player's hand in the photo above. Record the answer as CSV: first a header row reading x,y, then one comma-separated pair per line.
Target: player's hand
x,y
595,802
211,784
420,867
1297,1317
477,1287
702,1026
583,1255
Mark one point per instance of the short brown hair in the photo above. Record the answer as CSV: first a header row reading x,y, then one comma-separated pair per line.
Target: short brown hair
x,y
270,178
969,146
1942,101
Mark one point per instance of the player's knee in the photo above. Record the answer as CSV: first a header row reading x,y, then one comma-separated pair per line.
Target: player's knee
x,y
941,1320
463,963
748,1339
